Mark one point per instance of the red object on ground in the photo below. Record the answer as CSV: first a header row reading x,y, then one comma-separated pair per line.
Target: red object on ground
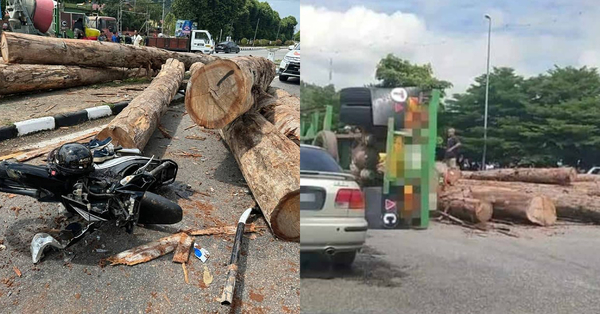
x,y
42,15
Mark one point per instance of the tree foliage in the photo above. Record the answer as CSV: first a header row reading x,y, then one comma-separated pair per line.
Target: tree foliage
x,y
531,121
135,16
393,72
317,98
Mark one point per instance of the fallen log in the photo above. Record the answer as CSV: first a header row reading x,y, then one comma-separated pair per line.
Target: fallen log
x,y
20,78
146,252
562,176
580,201
228,230
223,90
33,49
587,178
509,203
473,210
133,127
270,163
283,111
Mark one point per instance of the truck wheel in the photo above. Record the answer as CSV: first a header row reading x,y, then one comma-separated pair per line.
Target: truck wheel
x,y
355,106
283,78
328,141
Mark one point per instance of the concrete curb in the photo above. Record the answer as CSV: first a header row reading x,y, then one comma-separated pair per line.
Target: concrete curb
x,y
30,126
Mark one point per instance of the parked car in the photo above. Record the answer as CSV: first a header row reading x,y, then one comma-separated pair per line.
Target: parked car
x,y
332,210
290,65
594,170
227,47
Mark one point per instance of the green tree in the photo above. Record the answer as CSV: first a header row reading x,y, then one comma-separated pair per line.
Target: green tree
x,y
393,71
170,21
297,36
317,98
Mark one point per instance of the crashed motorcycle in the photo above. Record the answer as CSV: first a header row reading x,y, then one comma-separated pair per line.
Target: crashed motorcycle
x,y
119,190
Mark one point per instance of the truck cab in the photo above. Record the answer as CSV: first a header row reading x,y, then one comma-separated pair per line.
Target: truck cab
x,y
201,41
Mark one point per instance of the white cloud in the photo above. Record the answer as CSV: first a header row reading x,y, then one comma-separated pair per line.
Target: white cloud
x,y
359,37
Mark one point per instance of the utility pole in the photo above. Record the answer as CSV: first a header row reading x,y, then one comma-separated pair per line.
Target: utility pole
x,y
255,32
220,34
120,16
278,28
330,70
487,90
162,24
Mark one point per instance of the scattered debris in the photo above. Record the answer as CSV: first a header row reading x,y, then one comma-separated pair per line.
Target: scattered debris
x,y
207,277
167,298
201,253
230,230
186,154
164,131
182,252
232,268
146,252
185,273
195,137
17,271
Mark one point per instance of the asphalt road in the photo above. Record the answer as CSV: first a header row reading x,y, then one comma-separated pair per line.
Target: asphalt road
x,y
446,269
71,281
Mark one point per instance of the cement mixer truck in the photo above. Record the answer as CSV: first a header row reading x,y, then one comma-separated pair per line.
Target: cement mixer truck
x,y
55,18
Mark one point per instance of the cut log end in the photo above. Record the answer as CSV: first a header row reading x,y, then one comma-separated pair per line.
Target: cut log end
x,y
541,211
4,47
215,97
120,136
286,222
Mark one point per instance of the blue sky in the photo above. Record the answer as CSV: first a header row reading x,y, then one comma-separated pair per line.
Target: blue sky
x,y
531,36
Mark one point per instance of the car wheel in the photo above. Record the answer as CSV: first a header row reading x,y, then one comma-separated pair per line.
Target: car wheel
x,y
344,259
238,51
227,50
283,78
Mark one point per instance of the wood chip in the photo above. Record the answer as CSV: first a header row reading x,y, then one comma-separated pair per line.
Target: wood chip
x,y
51,107
17,271
164,131
191,126
185,273
182,252
186,154
195,137
207,277
167,298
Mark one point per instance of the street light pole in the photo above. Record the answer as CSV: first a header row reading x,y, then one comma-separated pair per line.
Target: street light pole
x,y
255,32
162,23
487,91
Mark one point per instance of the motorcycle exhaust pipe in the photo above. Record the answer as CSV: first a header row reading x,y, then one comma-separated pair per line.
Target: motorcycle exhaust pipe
x,y
155,209
232,268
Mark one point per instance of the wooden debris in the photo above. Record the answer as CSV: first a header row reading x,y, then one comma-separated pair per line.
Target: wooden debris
x,y
164,131
182,252
207,277
186,154
185,273
229,230
17,271
146,252
195,137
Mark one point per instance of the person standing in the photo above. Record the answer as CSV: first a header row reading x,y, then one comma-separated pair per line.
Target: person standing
x,y
137,39
78,30
452,149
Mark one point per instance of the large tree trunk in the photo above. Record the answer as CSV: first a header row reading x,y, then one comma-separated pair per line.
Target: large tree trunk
x,y
223,90
562,176
587,177
133,127
33,49
580,201
282,110
509,203
469,209
270,163
20,78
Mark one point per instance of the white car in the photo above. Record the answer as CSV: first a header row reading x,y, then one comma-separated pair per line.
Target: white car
x,y
201,41
290,65
332,209
594,170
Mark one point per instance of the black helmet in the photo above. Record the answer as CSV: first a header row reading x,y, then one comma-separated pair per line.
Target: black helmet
x,y
71,158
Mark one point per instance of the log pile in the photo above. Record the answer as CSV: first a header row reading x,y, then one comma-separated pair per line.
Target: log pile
x,y
35,63
538,196
260,126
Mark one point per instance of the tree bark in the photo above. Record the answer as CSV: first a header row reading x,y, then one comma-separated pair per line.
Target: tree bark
x,y
508,203
562,176
20,78
33,49
282,110
223,90
580,201
133,127
270,163
473,210
587,177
